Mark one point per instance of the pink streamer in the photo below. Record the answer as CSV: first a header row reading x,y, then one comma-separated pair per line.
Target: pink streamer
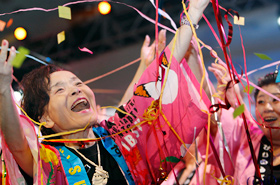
x,y
111,72
264,67
84,49
86,1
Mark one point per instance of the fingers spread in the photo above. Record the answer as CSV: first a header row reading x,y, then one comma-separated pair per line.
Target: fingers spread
x,y
222,64
217,73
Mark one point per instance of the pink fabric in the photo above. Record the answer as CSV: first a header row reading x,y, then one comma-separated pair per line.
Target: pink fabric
x,y
140,146
243,166
46,159
238,144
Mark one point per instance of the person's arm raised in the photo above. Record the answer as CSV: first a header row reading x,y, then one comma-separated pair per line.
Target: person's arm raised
x,y
147,57
233,93
184,35
10,121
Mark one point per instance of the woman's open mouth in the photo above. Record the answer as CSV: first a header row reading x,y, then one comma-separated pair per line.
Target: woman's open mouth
x,y
80,105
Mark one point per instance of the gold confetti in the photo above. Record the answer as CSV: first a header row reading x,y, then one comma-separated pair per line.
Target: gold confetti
x,y
64,12
60,37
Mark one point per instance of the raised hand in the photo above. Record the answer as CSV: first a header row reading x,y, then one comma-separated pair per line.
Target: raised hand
x,y
148,52
6,69
223,77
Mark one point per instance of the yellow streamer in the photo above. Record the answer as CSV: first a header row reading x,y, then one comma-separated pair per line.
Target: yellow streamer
x,y
224,180
219,93
201,85
147,116
207,146
167,71
51,135
199,49
3,170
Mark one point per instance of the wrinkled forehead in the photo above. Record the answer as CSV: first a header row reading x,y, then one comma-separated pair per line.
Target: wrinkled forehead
x,y
62,76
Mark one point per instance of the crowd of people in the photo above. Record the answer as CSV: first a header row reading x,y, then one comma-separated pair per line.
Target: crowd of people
x,y
156,136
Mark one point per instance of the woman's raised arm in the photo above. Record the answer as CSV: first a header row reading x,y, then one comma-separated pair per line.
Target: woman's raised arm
x,y
184,35
10,121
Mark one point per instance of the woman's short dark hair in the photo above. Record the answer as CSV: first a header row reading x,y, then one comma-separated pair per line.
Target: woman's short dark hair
x,y
268,79
35,92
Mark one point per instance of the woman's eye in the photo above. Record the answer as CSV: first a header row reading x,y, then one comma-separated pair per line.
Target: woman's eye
x,y
275,101
59,90
260,102
79,83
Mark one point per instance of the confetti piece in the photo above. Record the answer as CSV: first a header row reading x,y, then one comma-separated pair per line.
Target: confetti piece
x,y
240,21
171,159
2,25
60,37
84,49
64,12
251,88
9,23
262,56
239,110
20,57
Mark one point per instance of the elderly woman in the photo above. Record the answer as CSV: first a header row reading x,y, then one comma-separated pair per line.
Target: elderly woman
x,y
267,108
138,149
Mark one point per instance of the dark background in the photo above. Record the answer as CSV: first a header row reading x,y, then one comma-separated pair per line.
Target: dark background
x,y
116,38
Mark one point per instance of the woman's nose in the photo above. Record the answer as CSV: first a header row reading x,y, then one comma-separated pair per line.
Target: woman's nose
x,y
75,91
268,107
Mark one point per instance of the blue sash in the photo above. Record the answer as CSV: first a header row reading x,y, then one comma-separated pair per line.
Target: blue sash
x,y
73,166
115,152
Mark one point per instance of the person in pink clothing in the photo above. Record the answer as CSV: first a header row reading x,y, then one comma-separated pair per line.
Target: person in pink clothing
x,y
236,159
65,106
240,164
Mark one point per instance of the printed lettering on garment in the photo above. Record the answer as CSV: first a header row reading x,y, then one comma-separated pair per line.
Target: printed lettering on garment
x,y
125,121
80,183
264,160
266,147
75,170
265,154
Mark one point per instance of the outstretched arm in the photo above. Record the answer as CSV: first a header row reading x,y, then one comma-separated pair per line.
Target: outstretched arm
x,y
10,121
196,8
184,35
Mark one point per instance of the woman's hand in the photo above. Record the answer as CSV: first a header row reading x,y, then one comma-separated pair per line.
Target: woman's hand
x,y
148,52
6,69
223,77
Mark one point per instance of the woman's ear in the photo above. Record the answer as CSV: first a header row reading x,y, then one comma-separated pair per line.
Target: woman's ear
x,y
48,121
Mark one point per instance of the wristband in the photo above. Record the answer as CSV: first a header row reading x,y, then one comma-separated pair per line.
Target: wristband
x,y
184,21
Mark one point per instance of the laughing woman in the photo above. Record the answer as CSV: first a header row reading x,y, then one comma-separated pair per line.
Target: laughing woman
x,y
66,106
267,111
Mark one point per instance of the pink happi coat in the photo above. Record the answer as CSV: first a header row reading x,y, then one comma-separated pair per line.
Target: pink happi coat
x,y
241,168
146,148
